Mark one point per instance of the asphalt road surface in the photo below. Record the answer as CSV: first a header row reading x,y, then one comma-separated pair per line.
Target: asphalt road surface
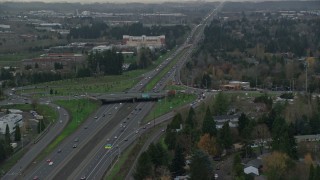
x,y
66,149
43,142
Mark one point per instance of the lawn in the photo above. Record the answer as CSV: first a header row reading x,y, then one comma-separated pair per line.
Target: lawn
x,y
49,114
176,87
125,162
114,174
79,110
13,59
166,105
100,84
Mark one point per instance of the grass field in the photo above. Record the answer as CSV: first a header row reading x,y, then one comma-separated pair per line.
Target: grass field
x,y
175,87
79,110
127,158
168,104
117,168
99,84
49,114
15,58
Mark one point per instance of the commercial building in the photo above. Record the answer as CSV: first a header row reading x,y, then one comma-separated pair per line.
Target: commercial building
x,y
144,41
47,62
236,85
11,120
101,48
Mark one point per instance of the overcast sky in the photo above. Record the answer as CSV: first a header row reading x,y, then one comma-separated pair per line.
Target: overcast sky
x,y
124,1
119,1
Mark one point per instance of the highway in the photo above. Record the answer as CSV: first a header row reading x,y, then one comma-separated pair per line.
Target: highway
x,y
47,137
78,139
89,157
99,161
95,164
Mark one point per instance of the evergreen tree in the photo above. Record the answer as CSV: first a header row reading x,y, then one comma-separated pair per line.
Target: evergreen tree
x,y
17,133
221,104
242,123
2,151
170,139
225,136
209,125
144,167
41,126
237,166
175,123
191,119
311,172
178,162
201,166
283,139
158,154
317,173
7,135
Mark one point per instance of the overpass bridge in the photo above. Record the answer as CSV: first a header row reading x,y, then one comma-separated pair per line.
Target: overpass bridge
x,y
128,97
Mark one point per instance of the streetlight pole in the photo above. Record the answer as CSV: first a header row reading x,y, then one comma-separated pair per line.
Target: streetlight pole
x,y
306,76
206,83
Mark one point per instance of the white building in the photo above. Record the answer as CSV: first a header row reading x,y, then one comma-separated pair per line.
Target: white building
x,y
253,166
99,49
231,119
11,120
3,26
243,85
144,41
307,138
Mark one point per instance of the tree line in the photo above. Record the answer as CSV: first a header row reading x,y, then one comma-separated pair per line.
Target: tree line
x,y
107,62
6,149
100,29
193,145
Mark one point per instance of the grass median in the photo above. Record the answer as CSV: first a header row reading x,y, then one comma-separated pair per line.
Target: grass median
x,y
158,77
122,167
79,110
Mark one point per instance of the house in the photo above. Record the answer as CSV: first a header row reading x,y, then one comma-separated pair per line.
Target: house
x,y
47,62
253,167
235,85
307,138
182,177
231,119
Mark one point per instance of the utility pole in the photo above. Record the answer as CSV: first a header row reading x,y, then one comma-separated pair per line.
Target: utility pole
x,y
306,76
292,85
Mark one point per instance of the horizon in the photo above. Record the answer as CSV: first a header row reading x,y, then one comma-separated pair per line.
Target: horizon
x,y
133,1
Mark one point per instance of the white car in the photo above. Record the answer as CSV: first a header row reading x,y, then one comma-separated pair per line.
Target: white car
x,y
216,176
50,163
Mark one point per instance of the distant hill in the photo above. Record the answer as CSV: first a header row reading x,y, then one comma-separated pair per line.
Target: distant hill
x,y
272,5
